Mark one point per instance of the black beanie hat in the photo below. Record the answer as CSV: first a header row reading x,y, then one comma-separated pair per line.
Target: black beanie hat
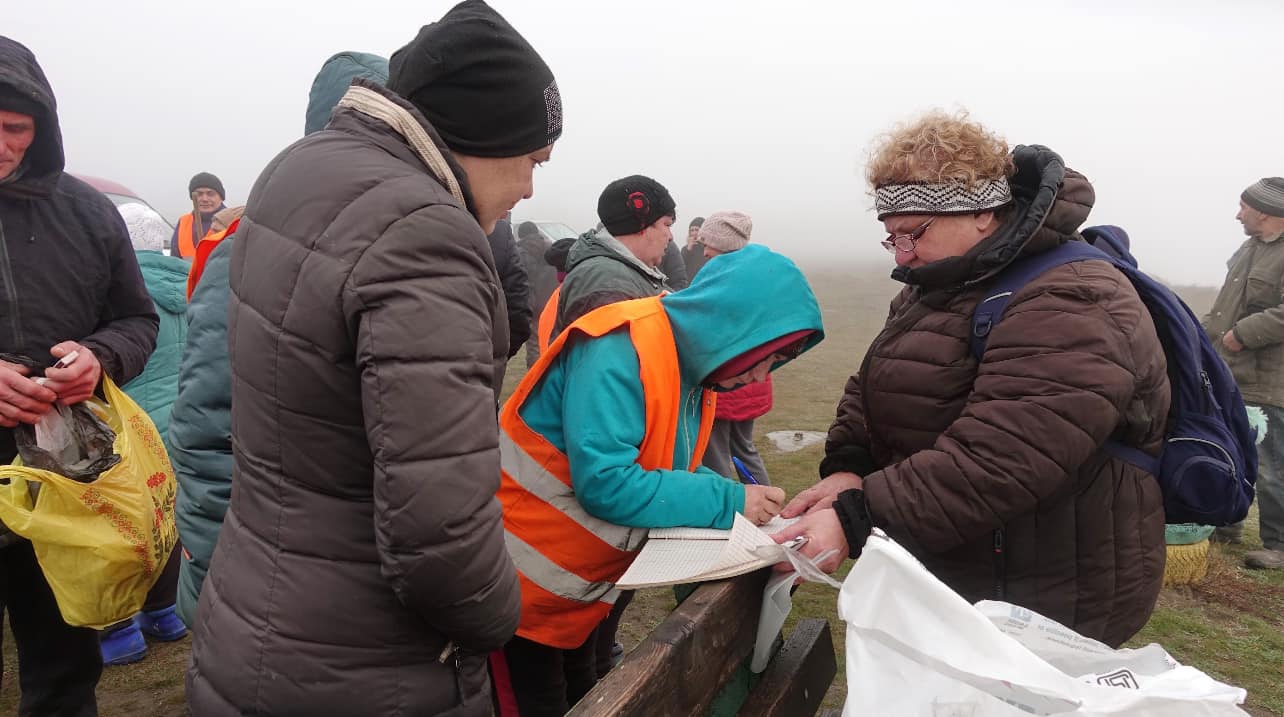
x,y
479,83
696,223
629,205
208,181
555,255
12,100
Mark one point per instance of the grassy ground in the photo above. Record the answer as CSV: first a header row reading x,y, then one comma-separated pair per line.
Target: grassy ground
x,y
1231,625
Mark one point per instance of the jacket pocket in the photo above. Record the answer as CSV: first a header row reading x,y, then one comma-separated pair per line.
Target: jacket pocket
x,y
1267,361
472,687
1243,366
1263,291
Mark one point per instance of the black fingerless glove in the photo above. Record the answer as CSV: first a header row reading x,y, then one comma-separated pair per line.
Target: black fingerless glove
x,y
853,515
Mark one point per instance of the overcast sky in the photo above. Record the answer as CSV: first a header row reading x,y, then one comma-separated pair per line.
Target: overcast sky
x,y
1170,108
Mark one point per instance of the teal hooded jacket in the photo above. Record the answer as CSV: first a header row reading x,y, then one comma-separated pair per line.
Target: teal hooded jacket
x,y
589,403
155,389
202,445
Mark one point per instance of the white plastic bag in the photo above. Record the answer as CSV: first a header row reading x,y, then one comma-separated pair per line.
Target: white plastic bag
x,y
914,647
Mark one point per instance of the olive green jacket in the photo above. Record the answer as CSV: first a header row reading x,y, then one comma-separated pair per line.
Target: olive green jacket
x,y
1251,302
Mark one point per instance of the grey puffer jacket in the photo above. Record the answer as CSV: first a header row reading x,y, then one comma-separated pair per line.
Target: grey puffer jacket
x,y
361,569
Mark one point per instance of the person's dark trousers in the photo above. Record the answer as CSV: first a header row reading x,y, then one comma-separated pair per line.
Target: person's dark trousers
x,y
1270,479
162,595
58,665
605,633
547,681
165,592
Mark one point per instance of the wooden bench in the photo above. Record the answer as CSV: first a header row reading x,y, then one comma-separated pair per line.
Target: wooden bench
x,y
683,664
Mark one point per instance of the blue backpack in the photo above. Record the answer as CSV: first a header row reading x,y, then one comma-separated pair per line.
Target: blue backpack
x,y
1208,464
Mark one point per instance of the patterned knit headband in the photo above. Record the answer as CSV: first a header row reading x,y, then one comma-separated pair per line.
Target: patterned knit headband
x,y
940,198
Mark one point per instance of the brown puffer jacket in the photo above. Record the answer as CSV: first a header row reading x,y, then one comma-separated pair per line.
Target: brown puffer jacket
x,y
363,534
960,458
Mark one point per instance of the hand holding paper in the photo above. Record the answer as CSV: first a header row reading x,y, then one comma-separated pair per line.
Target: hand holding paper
x,y
824,535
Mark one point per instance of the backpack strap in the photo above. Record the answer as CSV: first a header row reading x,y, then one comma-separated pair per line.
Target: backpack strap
x,y
1129,454
1023,271
1013,278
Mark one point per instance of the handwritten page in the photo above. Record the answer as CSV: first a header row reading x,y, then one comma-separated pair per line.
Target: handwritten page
x,y
679,555
773,526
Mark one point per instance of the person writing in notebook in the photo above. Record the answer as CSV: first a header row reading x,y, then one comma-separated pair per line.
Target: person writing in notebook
x,y
605,438
731,449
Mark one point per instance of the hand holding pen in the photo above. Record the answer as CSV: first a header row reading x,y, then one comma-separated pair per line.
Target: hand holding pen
x,y
762,502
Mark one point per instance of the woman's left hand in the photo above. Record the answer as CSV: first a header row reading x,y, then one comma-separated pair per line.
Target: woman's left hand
x,y
824,533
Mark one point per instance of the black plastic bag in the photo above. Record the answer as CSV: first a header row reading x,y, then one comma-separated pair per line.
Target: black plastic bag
x,y
71,441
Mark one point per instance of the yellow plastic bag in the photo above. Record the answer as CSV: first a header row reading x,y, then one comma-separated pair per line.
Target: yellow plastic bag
x,y
101,545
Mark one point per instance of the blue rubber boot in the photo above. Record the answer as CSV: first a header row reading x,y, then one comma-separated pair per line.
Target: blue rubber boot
x,y
123,645
162,624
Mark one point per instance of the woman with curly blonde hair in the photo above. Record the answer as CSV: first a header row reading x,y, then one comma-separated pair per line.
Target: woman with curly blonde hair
x,y
991,470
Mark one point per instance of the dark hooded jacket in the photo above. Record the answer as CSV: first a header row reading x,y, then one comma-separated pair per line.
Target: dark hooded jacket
x,y
541,275
600,271
993,474
361,568
674,267
517,288
67,268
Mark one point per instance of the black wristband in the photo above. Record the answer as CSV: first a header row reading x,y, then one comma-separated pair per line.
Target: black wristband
x,y
853,515
848,459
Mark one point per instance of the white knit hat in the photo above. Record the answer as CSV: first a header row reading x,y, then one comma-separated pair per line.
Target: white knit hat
x,y
147,231
726,231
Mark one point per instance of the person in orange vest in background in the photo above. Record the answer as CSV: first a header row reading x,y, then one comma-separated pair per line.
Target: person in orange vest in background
x,y
554,256
221,227
578,497
207,196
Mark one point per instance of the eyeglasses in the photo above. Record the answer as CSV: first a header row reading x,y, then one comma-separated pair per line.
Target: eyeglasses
x,y
906,242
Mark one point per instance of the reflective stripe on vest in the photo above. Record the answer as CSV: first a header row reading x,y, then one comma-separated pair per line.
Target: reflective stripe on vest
x,y
568,560
531,476
547,319
546,574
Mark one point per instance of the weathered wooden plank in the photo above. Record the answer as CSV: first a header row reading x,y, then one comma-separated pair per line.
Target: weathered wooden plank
x,y
832,713
682,665
795,682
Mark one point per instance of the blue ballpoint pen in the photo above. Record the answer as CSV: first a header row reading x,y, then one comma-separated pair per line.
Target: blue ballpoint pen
x,y
743,471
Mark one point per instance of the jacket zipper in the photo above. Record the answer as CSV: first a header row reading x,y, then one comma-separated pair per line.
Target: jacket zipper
x,y
11,291
1000,566
1229,460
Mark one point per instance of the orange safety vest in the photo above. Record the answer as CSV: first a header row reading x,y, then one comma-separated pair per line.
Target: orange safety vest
x,y
186,242
202,255
547,319
568,560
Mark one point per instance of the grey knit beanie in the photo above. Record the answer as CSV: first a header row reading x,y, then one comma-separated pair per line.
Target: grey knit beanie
x,y
1266,196
726,231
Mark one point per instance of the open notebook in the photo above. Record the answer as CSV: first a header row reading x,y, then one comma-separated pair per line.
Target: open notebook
x,y
673,556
